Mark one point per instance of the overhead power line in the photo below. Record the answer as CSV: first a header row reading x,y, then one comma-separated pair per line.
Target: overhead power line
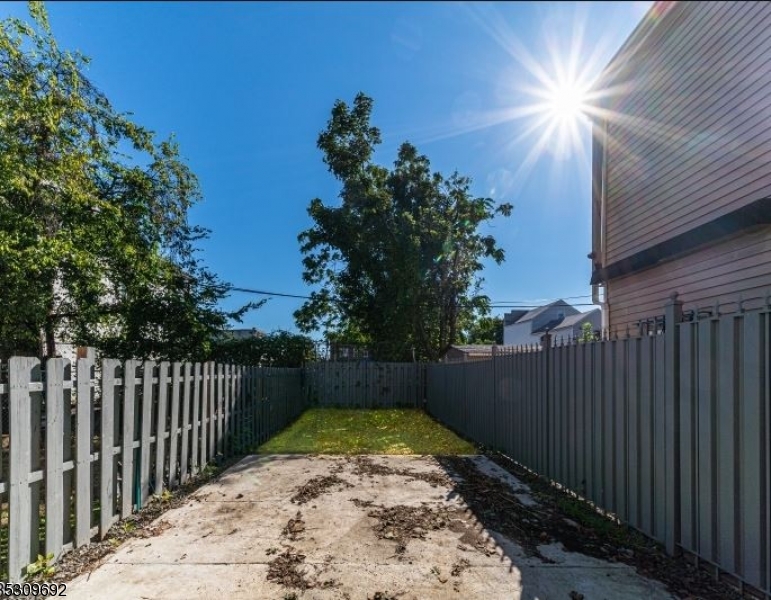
x,y
543,300
493,304
264,293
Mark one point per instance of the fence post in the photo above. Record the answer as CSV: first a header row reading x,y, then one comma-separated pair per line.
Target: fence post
x,y
673,312
20,509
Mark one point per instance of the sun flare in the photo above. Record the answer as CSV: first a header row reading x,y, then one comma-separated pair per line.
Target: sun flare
x,y
551,91
566,102
547,95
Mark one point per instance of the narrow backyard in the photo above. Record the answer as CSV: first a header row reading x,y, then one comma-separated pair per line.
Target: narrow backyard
x,y
351,527
347,525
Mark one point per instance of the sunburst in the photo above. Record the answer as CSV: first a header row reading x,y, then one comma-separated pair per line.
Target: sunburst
x,y
548,95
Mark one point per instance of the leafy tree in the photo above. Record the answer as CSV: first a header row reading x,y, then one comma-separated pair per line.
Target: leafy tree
x,y
95,246
587,333
278,349
398,262
486,330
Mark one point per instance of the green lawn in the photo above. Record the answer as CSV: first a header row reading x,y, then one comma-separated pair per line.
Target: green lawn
x,y
361,431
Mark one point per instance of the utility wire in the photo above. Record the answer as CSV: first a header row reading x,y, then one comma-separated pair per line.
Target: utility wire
x,y
499,304
263,293
544,299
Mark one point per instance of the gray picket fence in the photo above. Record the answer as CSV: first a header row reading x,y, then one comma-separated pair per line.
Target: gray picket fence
x,y
85,445
365,384
669,432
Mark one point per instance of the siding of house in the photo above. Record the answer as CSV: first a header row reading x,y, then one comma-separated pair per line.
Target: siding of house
x,y
519,334
573,326
559,310
716,273
691,139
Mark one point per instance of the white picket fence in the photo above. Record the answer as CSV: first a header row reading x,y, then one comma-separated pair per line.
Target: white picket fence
x,y
83,452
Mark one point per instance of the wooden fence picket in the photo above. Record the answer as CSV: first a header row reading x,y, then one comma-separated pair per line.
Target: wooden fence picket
x,y
196,415
83,453
187,425
127,437
212,410
221,387
145,429
174,424
160,428
107,443
229,380
20,514
249,406
204,416
55,402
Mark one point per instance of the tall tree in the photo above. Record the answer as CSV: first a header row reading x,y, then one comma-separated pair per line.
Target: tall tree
x,y
95,246
485,330
277,349
398,261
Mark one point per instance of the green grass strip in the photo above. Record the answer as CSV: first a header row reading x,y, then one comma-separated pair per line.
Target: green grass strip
x,y
366,431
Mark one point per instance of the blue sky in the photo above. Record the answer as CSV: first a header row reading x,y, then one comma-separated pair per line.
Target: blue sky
x,y
246,88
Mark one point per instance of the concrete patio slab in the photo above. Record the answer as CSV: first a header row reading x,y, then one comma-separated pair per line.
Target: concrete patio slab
x,y
230,539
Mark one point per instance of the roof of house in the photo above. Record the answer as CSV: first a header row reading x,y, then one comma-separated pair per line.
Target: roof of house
x,y
482,349
573,320
549,326
537,311
513,316
243,333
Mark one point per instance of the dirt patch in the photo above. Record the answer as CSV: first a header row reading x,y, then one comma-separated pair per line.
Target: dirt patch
x,y
294,528
364,466
475,540
317,486
285,570
361,503
460,566
288,570
579,528
385,596
496,507
402,523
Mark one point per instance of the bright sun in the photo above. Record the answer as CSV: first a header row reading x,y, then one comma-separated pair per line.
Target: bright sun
x,y
566,102
552,94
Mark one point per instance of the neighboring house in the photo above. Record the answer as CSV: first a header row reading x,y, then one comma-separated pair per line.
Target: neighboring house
x,y
243,333
513,316
529,328
681,166
469,352
571,327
